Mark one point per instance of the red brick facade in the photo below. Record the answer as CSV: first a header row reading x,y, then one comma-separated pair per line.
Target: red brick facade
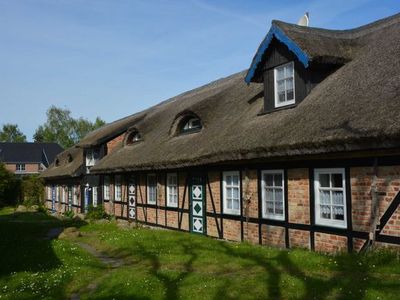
x,y
296,232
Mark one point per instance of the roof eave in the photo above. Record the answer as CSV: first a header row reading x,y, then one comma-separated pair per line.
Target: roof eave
x,y
276,32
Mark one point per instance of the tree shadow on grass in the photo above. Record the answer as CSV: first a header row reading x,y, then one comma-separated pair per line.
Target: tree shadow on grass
x,y
25,246
350,275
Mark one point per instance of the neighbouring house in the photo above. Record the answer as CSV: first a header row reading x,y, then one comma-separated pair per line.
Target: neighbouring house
x,y
300,150
28,158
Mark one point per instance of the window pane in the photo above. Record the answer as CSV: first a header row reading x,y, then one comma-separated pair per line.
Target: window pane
x,y
337,197
280,73
278,196
236,204
281,86
235,180
278,179
235,194
269,194
324,180
338,212
281,97
229,203
279,208
229,180
270,207
325,211
290,95
337,180
268,178
288,70
325,197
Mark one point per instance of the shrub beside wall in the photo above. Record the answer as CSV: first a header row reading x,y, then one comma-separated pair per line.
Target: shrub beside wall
x,y
32,190
10,187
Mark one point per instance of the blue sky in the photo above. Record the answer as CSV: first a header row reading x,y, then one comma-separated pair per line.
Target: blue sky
x,y
114,58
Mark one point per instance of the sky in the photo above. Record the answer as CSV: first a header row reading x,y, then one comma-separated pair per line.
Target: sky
x,y
117,57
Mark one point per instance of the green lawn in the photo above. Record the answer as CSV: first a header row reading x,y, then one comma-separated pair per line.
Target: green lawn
x,y
162,264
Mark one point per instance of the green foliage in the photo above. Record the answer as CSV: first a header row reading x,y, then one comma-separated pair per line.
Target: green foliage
x,y
96,213
33,190
63,129
36,267
11,133
69,214
10,187
161,264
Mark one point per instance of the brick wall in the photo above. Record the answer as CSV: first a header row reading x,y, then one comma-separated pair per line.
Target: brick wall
x,y
111,144
330,243
388,185
29,168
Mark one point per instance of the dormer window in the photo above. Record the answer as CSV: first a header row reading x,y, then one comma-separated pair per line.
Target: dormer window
x,y
133,137
92,156
284,85
191,124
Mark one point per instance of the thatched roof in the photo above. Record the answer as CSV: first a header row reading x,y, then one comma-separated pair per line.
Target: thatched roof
x,y
355,108
317,45
69,163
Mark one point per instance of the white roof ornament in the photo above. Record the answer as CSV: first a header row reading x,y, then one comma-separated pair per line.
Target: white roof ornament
x,y
304,20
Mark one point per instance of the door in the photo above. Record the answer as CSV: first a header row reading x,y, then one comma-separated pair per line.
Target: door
x,y
198,222
132,198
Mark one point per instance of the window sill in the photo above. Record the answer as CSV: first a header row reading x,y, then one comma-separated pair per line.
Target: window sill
x,y
327,223
265,112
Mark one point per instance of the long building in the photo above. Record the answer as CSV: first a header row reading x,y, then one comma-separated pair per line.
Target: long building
x,y
300,150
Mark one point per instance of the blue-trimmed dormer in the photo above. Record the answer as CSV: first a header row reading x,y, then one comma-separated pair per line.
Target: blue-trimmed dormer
x,y
286,69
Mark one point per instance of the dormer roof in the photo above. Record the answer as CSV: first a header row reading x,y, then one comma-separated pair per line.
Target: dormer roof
x,y
316,45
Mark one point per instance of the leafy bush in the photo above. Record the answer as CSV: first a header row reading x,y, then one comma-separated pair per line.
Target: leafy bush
x,y
96,213
33,190
69,214
10,187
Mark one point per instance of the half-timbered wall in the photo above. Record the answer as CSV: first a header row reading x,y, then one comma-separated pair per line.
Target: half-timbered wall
x,y
298,229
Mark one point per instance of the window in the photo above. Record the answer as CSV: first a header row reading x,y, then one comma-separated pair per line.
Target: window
x,y
106,188
118,188
92,156
48,192
75,194
133,137
94,196
284,85
273,204
231,192
190,124
172,190
151,189
70,195
64,194
330,197
20,167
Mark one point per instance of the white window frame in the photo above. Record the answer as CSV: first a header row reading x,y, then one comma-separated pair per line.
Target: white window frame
x,y
286,102
20,167
64,195
263,195
75,195
117,188
324,221
106,188
48,192
227,210
172,190
151,201
95,197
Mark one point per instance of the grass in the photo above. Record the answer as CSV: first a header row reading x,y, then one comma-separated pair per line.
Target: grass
x,y
162,264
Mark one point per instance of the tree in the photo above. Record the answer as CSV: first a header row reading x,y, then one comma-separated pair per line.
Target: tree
x,y
10,187
11,133
60,127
